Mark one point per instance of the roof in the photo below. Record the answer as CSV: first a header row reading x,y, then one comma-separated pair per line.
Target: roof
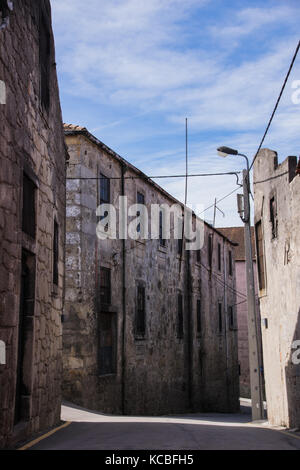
x,y
236,234
71,129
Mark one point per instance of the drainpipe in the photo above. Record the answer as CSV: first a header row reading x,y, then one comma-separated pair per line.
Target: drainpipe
x,y
190,330
123,170
226,321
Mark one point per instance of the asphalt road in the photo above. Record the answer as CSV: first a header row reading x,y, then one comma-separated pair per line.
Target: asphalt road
x,y
95,431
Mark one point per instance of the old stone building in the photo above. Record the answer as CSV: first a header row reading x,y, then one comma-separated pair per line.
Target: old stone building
x,y
146,330
277,227
32,222
236,234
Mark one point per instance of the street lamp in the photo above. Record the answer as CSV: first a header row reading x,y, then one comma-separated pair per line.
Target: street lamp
x,y
254,359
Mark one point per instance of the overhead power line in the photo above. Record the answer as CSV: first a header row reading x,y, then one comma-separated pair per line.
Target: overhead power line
x,y
151,177
277,103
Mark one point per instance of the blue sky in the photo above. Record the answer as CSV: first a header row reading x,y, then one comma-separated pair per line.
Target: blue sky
x,y
131,71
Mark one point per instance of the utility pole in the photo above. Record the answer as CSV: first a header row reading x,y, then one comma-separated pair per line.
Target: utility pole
x,y
254,357
253,333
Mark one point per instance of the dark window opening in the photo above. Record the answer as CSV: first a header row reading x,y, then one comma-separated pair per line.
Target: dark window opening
x,y
273,217
105,286
140,200
199,323
230,263
162,241
104,195
219,256
45,51
55,253
210,249
198,256
260,256
179,246
179,316
107,343
28,211
25,327
140,322
220,317
231,317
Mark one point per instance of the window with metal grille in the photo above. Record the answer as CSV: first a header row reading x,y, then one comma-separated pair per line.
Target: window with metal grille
x,y
219,256
140,200
210,249
55,253
28,211
140,320
107,343
44,52
162,241
220,317
273,217
230,262
105,286
260,256
199,323
179,316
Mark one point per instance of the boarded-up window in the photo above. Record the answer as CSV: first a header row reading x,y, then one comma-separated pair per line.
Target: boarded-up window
x,y
199,323
179,316
45,50
105,286
28,212
104,189
231,317
210,249
107,343
230,262
162,241
55,253
219,256
220,319
140,320
260,256
140,200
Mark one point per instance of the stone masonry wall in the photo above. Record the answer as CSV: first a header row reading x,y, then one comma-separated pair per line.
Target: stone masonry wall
x,y
160,373
280,299
31,141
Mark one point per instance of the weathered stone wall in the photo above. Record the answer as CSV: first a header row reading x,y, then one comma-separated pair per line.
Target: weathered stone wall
x,y
160,373
31,141
280,299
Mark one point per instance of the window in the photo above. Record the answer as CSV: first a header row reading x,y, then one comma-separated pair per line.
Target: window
x,y
199,325
179,246
231,317
162,241
140,200
104,189
179,316
198,256
107,343
45,50
219,256
273,217
140,321
220,317
230,262
28,212
260,256
105,286
55,253
210,249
